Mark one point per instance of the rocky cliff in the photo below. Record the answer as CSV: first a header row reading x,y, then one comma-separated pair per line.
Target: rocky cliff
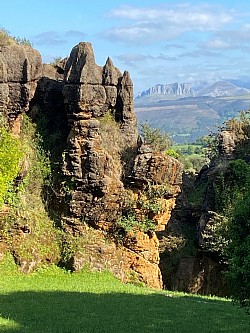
x,y
194,255
109,193
20,69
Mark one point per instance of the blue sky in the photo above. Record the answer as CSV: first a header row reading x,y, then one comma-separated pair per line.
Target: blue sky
x,y
156,41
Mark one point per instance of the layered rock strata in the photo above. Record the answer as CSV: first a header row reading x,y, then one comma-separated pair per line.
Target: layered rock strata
x,y
98,160
20,69
103,160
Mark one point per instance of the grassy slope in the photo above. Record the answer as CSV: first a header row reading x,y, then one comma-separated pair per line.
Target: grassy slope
x,y
56,301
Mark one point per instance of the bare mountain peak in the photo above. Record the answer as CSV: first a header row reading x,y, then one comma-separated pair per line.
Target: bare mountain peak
x,y
175,89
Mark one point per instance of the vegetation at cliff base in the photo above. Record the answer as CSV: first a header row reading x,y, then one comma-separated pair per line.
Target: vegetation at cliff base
x,y
54,300
10,155
26,229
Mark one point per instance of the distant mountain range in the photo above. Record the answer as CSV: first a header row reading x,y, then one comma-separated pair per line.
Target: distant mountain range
x,y
179,90
171,89
188,113
223,88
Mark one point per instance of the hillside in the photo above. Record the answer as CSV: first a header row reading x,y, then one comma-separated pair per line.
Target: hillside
x,y
188,118
223,88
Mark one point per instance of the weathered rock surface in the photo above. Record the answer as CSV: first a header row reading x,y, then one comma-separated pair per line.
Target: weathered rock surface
x,y
90,91
227,144
97,157
138,262
102,175
20,69
191,260
199,275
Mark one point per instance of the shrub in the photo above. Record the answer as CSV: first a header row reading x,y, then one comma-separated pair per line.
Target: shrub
x,y
7,39
132,223
215,236
231,185
155,138
171,152
56,61
140,208
22,41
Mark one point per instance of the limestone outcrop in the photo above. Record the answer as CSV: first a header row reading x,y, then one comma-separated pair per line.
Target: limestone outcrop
x,y
90,92
117,202
20,69
103,178
102,160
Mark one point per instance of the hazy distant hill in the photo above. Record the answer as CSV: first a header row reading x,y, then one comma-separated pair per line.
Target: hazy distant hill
x,y
223,88
189,118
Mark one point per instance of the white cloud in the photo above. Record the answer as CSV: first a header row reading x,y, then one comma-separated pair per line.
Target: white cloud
x,y
75,34
201,17
52,38
233,39
217,44
162,23
132,59
200,53
48,38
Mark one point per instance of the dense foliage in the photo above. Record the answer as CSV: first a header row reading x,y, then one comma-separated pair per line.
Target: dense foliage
x,y
231,222
26,199
10,155
239,251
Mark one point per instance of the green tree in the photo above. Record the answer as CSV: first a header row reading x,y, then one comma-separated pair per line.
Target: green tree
x,y
239,252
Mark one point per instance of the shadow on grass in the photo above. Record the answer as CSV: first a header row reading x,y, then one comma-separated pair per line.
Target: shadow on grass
x,y
70,312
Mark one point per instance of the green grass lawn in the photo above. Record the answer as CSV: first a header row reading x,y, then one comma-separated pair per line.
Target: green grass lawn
x,y
53,300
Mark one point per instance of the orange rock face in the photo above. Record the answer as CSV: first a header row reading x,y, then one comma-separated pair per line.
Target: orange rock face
x,y
104,159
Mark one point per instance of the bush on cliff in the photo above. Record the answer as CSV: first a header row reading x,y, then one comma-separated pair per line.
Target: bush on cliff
x,y
230,234
10,155
6,39
153,137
